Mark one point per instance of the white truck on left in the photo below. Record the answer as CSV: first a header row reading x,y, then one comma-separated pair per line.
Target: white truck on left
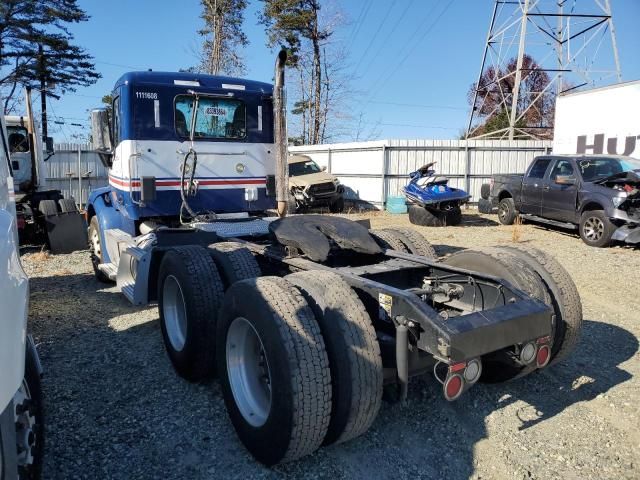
x,y
21,416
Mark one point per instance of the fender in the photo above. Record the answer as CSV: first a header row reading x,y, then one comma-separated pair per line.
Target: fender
x,y
109,217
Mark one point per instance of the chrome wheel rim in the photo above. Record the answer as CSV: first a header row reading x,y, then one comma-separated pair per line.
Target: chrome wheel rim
x,y
174,312
248,371
593,229
25,421
95,243
503,211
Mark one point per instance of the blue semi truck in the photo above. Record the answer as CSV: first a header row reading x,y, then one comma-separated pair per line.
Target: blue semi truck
x,y
304,318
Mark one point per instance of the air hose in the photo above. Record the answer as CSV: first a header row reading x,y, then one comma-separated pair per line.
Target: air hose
x,y
189,190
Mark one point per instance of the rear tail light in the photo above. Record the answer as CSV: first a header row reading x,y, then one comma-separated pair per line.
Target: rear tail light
x,y
543,356
453,386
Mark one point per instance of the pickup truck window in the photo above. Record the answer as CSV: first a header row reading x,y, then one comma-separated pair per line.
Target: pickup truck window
x,y
539,167
562,167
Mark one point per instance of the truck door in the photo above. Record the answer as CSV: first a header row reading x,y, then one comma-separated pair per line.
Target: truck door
x,y
532,185
559,199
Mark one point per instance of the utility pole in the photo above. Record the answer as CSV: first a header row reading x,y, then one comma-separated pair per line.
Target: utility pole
x,y
566,49
42,71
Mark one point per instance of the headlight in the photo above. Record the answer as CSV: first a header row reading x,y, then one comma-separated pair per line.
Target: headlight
x,y
617,201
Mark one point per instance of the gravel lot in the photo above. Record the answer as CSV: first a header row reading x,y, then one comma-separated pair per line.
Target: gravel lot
x,y
115,408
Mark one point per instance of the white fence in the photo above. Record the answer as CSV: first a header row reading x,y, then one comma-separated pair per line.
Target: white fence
x,y
373,171
62,168
370,171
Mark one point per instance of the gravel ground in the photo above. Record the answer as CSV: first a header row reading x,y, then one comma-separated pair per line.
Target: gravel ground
x,y
115,408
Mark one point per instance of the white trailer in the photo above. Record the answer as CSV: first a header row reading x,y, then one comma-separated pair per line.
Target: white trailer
x,y
599,121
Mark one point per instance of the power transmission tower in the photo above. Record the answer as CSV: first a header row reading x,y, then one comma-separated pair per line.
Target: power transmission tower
x,y
535,50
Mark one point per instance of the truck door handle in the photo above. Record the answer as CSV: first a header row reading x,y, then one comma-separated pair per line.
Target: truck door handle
x,y
546,188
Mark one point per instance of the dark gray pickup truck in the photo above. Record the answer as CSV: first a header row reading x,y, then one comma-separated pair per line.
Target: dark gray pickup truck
x,y
598,195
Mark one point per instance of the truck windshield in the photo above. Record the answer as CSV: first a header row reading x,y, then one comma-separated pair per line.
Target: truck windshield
x,y
216,118
303,168
593,169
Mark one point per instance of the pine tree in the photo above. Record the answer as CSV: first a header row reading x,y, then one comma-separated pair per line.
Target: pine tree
x,y
36,47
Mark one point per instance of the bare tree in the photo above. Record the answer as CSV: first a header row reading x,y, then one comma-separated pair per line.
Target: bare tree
x,y
224,37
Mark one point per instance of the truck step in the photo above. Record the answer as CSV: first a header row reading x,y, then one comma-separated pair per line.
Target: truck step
x,y
555,223
248,228
128,290
109,269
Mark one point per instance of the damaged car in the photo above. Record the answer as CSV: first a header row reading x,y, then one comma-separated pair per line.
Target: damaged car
x,y
311,186
598,195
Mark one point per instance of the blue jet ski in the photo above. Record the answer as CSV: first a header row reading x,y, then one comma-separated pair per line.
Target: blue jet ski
x,y
432,201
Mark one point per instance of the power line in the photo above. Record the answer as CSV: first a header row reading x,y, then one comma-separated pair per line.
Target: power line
x,y
418,105
391,32
375,35
359,25
393,71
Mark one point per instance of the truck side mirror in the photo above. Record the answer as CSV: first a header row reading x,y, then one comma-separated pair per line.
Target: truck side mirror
x,y
566,180
324,168
101,135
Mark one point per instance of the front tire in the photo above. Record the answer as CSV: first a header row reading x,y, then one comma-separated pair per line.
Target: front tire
x,y
274,370
95,249
29,419
337,206
596,229
190,292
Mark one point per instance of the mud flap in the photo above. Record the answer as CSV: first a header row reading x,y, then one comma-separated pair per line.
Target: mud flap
x,y
66,232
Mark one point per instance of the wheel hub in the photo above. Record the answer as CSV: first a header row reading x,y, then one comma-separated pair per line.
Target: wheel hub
x,y
25,422
174,312
95,243
593,229
248,370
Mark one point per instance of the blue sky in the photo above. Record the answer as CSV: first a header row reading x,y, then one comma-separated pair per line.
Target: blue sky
x,y
413,80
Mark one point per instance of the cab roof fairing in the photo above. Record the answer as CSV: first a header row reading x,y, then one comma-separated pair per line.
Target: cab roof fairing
x,y
206,81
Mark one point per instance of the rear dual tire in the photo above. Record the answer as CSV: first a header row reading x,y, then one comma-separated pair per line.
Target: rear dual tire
x,y
284,414
404,240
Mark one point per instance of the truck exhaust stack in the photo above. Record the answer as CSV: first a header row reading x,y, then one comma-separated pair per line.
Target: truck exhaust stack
x,y
280,133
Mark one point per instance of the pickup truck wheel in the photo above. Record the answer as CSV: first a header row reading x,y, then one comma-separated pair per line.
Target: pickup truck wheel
x,y
389,240
507,211
501,263
564,297
485,206
485,191
190,292
337,206
29,419
95,250
234,261
596,229
274,370
414,242
353,350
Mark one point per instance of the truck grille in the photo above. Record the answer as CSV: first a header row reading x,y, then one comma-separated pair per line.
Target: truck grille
x,y
322,189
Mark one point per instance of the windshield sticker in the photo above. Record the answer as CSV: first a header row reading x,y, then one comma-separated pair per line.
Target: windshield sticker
x,y
584,164
215,111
